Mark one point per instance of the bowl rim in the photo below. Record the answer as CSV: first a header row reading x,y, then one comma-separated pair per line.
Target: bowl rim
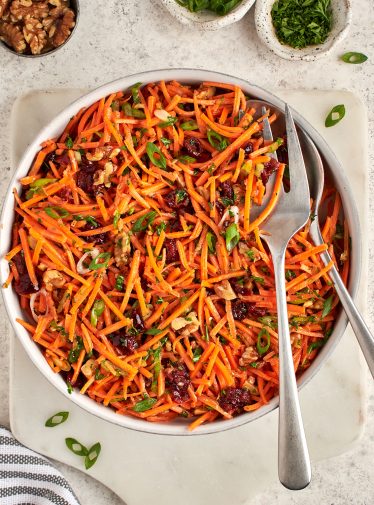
x,y
310,53
217,22
6,221
76,8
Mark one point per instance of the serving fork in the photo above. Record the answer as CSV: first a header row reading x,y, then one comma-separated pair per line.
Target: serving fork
x,y
290,215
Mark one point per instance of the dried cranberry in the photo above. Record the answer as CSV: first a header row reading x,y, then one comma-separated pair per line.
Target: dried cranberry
x,y
125,344
175,225
188,107
220,208
23,284
172,253
248,149
177,381
227,190
255,311
79,383
178,199
282,151
137,320
195,149
269,168
85,176
100,238
239,310
66,194
234,399
240,289
45,168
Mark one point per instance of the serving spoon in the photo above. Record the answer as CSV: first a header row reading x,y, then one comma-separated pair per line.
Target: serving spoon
x,y
316,178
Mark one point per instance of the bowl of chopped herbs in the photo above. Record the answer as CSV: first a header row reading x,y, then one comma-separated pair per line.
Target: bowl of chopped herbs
x,y
302,29
208,14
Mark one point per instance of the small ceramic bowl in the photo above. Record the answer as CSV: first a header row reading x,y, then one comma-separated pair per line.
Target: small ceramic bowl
x,y
341,20
74,5
206,20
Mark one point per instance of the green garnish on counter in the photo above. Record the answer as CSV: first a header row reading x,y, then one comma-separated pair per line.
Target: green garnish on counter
x,y
301,23
355,58
335,115
220,7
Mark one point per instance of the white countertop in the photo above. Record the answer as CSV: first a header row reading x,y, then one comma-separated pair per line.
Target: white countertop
x,y
119,37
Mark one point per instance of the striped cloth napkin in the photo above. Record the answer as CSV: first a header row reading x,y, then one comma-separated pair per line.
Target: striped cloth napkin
x,y
26,478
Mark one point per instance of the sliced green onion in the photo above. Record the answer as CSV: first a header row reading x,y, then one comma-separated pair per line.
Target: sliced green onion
x,y
263,341
197,354
166,141
186,159
116,217
95,264
135,92
160,227
169,122
76,447
89,219
355,58
130,111
143,222
327,306
180,195
153,331
39,183
92,455
316,345
96,312
335,115
144,405
56,419
216,140
119,283
189,126
56,212
160,160
211,240
232,237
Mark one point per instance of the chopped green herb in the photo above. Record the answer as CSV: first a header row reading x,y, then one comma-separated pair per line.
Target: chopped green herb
x,y
69,387
335,115
260,280
355,58
132,112
220,7
119,283
166,141
144,221
290,274
56,212
135,92
116,217
180,195
197,354
251,254
69,143
56,419
144,405
160,227
301,23
152,151
153,331
75,351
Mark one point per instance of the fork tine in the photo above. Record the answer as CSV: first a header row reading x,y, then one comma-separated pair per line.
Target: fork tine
x,y
296,165
267,132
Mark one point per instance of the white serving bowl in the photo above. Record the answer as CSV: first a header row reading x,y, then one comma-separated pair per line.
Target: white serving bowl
x,y
207,20
53,129
341,21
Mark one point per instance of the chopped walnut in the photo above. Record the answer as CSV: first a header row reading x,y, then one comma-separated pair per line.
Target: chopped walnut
x,y
25,9
3,7
206,93
97,155
250,355
64,27
89,368
103,176
250,385
53,279
224,290
35,35
13,36
188,323
122,249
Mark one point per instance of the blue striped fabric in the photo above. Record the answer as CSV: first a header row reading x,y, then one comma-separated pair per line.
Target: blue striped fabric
x,y
26,478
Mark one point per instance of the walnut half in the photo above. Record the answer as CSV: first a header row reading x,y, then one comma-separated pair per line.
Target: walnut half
x,y
3,7
35,35
12,35
64,27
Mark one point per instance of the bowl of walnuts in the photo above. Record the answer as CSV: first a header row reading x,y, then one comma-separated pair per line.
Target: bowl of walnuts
x,y
35,28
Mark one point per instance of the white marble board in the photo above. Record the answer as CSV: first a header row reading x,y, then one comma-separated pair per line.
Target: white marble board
x,y
221,469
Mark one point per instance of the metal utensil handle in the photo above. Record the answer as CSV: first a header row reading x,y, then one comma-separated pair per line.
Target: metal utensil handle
x,y
293,456
362,332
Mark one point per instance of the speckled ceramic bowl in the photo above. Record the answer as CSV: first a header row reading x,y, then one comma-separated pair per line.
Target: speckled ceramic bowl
x,y
74,4
341,20
207,20
53,129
